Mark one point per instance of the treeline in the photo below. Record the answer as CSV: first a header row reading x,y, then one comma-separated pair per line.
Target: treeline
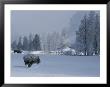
x,y
27,43
54,41
48,42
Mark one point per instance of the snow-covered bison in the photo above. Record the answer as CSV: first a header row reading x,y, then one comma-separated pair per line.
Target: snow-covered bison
x,y
30,59
17,51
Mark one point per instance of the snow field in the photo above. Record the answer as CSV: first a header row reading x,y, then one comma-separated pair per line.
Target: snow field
x,y
56,66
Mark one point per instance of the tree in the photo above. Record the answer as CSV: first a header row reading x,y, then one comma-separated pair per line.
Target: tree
x,y
48,42
88,35
30,43
25,43
95,45
64,37
94,33
91,32
97,35
55,41
43,42
36,43
19,45
81,36
14,45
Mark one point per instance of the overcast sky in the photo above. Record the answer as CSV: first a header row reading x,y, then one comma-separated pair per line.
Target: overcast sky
x,y
25,22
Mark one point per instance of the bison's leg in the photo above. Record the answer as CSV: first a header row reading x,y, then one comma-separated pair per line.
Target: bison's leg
x,y
29,64
25,63
38,61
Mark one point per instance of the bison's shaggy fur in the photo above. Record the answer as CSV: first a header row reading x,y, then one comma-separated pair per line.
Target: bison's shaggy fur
x,y
30,59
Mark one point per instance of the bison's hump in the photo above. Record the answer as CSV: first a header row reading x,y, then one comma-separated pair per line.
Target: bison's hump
x,y
30,56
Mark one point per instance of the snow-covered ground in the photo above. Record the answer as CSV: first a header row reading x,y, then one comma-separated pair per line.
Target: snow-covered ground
x,y
56,66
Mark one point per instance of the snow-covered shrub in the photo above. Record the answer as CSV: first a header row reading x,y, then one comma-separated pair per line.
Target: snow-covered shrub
x,y
68,52
30,59
79,54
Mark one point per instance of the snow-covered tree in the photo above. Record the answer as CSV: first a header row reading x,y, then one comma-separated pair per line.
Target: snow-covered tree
x,y
81,38
64,37
19,45
88,35
25,43
48,42
30,43
97,35
14,45
91,32
36,43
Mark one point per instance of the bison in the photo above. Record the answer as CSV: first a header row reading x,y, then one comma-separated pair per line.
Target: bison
x,y
17,51
30,59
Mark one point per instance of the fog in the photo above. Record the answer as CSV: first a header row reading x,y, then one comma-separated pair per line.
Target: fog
x,y
42,22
